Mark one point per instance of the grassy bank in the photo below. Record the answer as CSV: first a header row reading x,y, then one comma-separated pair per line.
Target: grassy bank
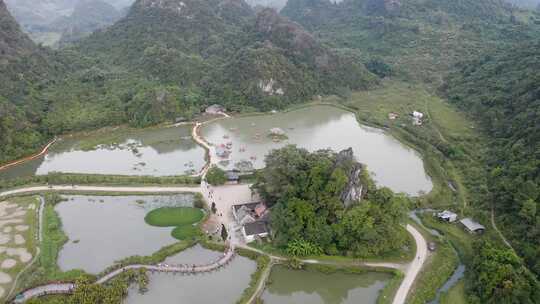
x,y
46,269
401,255
263,262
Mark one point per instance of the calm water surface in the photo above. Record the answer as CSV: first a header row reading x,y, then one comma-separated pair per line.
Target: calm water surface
x,y
319,127
104,229
293,286
224,286
155,152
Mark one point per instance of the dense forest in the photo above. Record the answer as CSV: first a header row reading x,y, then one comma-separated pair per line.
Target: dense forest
x,y
309,210
162,62
502,89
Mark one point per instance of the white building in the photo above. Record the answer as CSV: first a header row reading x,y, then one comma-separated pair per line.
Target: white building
x,y
448,216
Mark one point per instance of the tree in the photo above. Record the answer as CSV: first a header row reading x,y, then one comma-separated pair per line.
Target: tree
x,y
308,214
215,176
499,277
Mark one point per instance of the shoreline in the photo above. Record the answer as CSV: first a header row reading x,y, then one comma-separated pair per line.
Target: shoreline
x,y
29,158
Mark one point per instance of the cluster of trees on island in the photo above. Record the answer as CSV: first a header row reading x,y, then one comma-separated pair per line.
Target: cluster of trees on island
x,y
309,216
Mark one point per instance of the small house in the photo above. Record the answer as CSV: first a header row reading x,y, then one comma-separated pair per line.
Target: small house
x,y
256,229
472,226
417,114
447,216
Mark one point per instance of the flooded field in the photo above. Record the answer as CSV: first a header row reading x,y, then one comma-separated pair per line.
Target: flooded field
x,y
104,229
154,152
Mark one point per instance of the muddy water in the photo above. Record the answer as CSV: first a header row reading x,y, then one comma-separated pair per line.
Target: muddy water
x,y
223,286
319,127
155,152
292,286
104,229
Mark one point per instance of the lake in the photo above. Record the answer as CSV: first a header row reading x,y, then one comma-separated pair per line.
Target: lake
x,y
104,229
300,286
319,127
154,151
223,286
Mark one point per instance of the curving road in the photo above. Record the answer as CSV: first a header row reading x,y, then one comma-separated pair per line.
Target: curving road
x,y
414,267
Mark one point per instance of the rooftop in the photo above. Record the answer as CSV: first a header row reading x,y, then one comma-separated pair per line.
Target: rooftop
x,y
256,228
472,225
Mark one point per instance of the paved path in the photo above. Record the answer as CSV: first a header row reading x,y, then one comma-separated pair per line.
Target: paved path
x,y
142,189
414,267
66,288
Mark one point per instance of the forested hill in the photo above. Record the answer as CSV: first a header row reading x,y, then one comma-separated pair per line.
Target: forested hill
x,y
502,88
165,59
419,40
224,50
87,16
23,68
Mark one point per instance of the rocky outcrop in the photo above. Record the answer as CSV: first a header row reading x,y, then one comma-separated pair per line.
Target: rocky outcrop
x,y
355,190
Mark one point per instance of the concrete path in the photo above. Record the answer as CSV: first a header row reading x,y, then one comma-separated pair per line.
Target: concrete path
x,y
414,267
66,288
127,189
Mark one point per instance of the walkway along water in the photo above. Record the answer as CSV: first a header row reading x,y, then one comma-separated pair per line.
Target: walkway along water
x,y
67,288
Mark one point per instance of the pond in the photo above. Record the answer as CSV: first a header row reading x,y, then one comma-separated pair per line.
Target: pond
x,y
319,127
300,286
223,286
104,229
154,151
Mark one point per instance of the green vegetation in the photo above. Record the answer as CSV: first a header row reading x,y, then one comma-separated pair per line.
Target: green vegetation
x,y
456,294
438,268
386,296
507,104
501,277
309,215
154,66
185,232
216,176
173,216
182,218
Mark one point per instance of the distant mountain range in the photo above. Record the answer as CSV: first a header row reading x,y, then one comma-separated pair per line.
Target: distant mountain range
x,y
63,21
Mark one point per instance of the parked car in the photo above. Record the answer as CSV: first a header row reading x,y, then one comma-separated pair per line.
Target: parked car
x,y
431,246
